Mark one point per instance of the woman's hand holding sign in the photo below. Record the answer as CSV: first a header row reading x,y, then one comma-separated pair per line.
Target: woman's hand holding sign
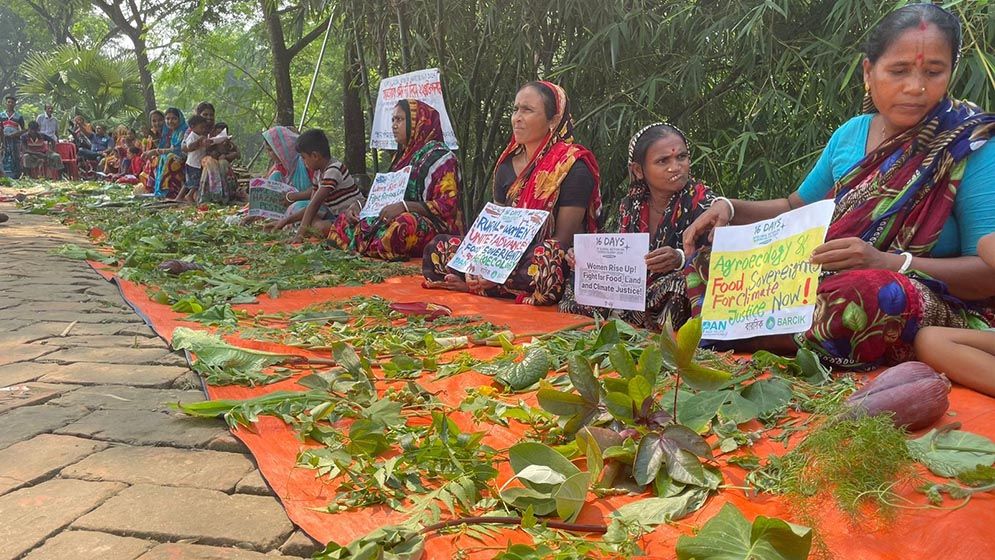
x,y
663,260
853,253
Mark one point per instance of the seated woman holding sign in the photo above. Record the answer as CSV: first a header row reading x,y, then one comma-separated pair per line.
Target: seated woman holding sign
x,y
541,169
914,185
431,204
663,200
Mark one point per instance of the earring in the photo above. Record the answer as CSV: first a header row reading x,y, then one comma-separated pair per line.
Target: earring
x,y
867,87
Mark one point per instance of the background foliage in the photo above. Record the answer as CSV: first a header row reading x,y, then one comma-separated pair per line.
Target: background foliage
x,y
758,85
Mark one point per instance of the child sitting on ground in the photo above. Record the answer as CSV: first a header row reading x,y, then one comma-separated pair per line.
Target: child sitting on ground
x,y
131,167
335,193
194,146
966,356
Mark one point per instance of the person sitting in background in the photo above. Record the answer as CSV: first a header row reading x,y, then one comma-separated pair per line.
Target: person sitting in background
x,y
131,167
541,169
152,134
288,167
194,146
335,192
85,138
218,182
966,356
663,199
914,184
431,203
48,123
38,155
169,172
115,155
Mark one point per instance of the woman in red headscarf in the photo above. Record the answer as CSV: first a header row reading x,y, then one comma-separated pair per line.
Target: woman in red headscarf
x,y
431,203
541,169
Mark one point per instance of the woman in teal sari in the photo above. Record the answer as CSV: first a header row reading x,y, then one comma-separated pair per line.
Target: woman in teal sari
x,y
169,173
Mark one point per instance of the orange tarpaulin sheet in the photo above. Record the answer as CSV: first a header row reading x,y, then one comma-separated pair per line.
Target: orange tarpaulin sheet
x,y
912,533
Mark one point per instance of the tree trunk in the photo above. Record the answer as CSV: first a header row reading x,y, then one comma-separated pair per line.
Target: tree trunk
x,y
353,121
144,74
281,65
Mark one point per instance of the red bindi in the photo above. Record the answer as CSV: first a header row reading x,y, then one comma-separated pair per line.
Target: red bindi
x,y
922,25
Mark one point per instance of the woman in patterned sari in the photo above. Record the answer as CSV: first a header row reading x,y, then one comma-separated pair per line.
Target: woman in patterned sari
x,y
663,199
431,203
169,173
157,120
541,169
914,185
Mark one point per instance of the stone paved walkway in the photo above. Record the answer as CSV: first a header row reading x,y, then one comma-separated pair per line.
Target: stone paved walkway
x,y
93,463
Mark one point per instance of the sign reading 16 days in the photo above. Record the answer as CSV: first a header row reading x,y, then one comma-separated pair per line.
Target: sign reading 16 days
x,y
760,280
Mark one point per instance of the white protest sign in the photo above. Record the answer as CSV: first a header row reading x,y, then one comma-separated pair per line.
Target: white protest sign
x,y
268,199
387,189
760,280
497,240
423,85
610,270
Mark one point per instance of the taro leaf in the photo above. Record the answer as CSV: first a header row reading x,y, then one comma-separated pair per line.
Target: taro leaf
x,y
622,361
697,411
952,453
737,409
729,536
540,474
212,350
650,363
582,376
811,367
770,395
621,406
541,503
570,496
522,375
560,403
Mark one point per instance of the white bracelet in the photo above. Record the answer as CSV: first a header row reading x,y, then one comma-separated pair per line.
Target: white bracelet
x,y
908,262
732,209
683,259
405,204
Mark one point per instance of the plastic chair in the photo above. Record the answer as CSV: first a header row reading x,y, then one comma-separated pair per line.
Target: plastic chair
x,y
70,165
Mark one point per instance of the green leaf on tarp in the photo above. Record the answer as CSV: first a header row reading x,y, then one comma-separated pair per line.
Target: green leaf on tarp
x,y
321,317
622,361
729,536
698,410
704,378
570,496
650,364
540,474
684,466
394,542
812,369
523,498
581,374
620,405
639,389
534,366
649,458
216,316
770,395
592,441
79,253
737,409
212,350
952,453
346,356
688,338
560,403
529,453
650,512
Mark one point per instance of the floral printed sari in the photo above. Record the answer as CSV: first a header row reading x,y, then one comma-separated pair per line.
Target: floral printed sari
x,y
435,182
539,277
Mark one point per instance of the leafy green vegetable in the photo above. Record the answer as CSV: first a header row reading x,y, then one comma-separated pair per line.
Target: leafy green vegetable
x,y
954,452
534,366
729,536
214,351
